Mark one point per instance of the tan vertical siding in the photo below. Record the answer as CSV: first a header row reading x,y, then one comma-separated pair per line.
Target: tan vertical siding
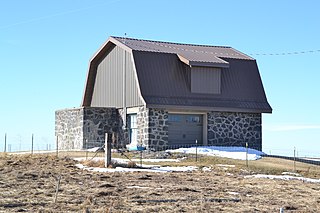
x,y
108,87
206,80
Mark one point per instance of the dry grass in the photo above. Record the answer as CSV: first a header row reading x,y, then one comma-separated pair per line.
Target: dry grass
x,y
27,183
93,163
101,164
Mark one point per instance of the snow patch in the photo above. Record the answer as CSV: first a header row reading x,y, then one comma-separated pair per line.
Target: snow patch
x,y
225,165
284,177
291,173
238,153
206,169
233,193
152,169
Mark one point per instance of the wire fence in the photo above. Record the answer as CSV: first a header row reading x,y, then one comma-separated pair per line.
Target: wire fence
x,y
93,149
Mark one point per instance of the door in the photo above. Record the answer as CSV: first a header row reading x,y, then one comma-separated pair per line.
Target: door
x,y
185,129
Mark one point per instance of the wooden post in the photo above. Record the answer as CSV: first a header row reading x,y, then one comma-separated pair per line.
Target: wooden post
x,y
107,151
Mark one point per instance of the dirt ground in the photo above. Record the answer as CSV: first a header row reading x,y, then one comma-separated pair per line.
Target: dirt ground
x,y
28,184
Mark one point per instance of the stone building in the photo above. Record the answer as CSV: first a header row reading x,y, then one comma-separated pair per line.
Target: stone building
x,y
159,94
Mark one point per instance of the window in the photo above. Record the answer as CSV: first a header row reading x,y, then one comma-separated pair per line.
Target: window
x,y
174,118
193,119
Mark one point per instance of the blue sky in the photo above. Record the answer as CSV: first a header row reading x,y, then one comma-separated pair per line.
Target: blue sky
x,y
45,47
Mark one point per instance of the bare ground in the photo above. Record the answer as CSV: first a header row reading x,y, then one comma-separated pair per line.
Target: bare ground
x,y
28,184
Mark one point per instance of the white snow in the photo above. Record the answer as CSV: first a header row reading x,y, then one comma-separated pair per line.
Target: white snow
x,y
124,160
94,149
313,159
284,177
219,151
206,169
226,165
233,193
152,169
291,173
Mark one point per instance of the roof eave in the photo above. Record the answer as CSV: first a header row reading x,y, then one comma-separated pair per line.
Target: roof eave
x,y
203,108
208,64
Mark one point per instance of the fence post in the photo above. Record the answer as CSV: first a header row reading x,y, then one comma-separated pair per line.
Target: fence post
x,y
107,151
141,158
5,142
294,159
57,146
247,155
32,144
196,150
86,145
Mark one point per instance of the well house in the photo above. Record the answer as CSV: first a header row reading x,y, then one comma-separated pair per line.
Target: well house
x,y
160,94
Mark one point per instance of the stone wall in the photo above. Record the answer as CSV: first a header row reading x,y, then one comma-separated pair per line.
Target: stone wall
x,y
69,129
82,128
235,129
152,127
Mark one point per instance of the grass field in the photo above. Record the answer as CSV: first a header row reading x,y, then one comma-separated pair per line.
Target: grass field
x,y
28,183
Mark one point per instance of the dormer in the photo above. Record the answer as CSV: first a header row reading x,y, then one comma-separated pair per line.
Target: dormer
x,y
205,75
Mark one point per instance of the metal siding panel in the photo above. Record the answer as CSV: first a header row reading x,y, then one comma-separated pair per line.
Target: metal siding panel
x,y
205,80
108,88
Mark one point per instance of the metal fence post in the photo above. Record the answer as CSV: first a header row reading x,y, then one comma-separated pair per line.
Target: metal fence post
x,y
247,155
294,159
32,144
86,146
196,150
140,158
5,142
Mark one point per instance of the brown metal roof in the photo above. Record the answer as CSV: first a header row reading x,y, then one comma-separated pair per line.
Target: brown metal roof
x,y
164,80
162,71
193,52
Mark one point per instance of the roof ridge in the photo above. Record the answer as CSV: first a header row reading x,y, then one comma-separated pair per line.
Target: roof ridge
x,y
165,42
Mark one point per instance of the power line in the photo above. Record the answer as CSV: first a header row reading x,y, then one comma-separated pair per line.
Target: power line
x,y
286,53
57,14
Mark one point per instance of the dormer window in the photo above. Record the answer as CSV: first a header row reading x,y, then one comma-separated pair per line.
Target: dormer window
x,y
205,75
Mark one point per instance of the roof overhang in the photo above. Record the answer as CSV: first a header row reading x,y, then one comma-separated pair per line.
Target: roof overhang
x,y
217,62
204,108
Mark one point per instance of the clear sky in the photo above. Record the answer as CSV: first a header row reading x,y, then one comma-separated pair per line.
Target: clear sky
x,y
45,47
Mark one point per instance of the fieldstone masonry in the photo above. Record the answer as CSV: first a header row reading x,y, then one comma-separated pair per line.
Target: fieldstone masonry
x,y
69,129
235,129
152,127
82,128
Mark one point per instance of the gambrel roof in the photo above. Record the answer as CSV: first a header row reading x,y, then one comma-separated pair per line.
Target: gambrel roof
x,y
164,73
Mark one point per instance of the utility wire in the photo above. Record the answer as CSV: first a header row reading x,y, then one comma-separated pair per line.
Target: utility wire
x,y
56,15
286,53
